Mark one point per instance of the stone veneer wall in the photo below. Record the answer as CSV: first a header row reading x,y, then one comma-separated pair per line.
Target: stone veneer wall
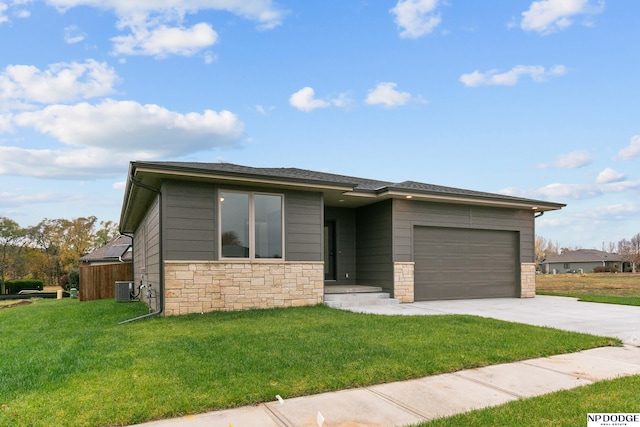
x,y
198,287
527,280
403,281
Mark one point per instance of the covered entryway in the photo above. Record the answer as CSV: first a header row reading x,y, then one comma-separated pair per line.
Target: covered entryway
x,y
457,263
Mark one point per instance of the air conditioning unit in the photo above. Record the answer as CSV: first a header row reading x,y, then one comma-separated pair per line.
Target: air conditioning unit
x,y
124,291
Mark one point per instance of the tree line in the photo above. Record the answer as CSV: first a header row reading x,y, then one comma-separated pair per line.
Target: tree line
x,y
628,249
50,250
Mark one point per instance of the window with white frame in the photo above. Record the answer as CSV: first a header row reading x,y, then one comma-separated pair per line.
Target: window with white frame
x,y
251,225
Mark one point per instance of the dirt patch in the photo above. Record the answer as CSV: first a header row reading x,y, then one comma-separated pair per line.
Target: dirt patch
x,y
16,304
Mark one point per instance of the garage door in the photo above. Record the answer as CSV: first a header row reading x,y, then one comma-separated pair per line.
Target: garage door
x,y
456,263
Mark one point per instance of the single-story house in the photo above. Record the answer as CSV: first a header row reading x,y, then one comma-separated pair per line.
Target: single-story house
x,y
581,260
219,236
100,269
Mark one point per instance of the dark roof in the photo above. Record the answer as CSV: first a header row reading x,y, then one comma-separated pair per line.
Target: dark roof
x,y
145,180
583,255
358,184
290,174
116,249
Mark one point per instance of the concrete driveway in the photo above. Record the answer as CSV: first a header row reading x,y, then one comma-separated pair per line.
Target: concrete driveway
x,y
609,320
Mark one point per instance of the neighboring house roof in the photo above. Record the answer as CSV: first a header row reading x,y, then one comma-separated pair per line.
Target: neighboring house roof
x,y
117,249
583,255
339,190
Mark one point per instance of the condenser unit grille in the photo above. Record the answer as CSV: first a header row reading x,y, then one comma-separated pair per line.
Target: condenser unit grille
x,y
124,291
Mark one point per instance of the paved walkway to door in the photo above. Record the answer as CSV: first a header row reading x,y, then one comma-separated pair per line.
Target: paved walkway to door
x,y
611,320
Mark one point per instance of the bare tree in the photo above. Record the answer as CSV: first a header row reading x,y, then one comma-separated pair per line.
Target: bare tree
x,y
635,252
630,251
610,247
543,248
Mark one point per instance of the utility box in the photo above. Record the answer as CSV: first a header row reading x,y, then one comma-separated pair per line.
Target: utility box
x,y
124,291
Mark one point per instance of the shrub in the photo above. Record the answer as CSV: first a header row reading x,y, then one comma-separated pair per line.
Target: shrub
x,y
17,285
74,278
604,269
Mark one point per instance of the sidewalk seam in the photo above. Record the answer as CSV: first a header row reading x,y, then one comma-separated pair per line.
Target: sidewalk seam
x,y
398,404
460,374
568,374
277,417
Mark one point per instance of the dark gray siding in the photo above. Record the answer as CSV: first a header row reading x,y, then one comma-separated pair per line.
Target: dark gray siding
x,y
374,245
146,248
304,226
188,221
408,214
345,220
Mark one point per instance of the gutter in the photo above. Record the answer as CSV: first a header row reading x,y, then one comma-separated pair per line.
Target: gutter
x,y
160,310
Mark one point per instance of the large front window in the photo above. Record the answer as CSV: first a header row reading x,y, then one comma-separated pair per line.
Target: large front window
x,y
250,225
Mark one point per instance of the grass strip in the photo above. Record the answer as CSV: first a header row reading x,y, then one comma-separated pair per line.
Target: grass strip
x,y
69,363
567,408
604,299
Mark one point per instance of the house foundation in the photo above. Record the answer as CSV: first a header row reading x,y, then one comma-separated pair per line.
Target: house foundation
x,y
199,287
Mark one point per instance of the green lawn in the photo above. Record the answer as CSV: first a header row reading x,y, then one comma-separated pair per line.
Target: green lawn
x,y
69,363
567,408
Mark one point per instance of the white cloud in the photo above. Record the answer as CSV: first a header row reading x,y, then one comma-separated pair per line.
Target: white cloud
x,y
560,191
121,125
156,26
572,160
120,185
3,10
416,18
15,6
548,16
21,198
21,85
5,123
161,40
494,77
304,100
264,110
210,58
386,94
632,151
73,34
609,175
618,211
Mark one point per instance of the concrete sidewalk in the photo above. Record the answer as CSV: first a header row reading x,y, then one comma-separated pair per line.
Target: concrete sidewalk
x,y
410,402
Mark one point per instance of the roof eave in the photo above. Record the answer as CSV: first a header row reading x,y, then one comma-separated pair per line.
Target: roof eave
x,y
535,205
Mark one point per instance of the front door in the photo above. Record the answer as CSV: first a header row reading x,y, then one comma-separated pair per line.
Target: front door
x,y
330,250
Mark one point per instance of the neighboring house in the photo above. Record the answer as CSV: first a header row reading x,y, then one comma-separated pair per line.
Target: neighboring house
x,y
100,269
581,260
218,236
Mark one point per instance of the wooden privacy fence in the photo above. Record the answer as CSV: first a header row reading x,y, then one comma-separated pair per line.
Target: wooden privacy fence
x,y
98,281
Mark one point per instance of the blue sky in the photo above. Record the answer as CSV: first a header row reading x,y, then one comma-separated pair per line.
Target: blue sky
x,y
536,99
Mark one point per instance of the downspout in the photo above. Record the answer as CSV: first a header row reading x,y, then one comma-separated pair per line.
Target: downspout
x,y
538,214
133,279
160,255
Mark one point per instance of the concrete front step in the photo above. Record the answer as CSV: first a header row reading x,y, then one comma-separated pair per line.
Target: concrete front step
x,y
359,299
